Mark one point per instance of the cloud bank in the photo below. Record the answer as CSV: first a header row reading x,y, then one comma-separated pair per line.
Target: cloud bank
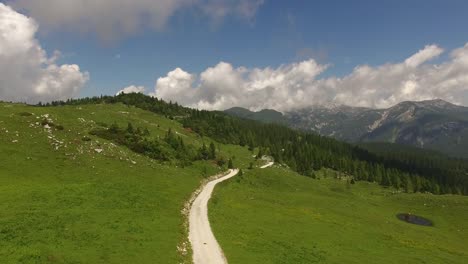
x,y
27,74
298,85
114,19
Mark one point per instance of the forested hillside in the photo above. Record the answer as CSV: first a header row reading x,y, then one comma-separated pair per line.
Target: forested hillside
x,y
307,152
431,124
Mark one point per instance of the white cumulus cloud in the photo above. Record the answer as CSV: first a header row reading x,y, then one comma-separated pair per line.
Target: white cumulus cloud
x,y
298,85
429,52
131,89
27,74
224,86
114,19
176,86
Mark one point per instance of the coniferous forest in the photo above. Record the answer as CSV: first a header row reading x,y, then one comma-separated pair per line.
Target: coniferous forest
x,y
388,165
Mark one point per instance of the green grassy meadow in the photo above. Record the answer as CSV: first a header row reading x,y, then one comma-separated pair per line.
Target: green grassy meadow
x,y
277,216
63,202
69,197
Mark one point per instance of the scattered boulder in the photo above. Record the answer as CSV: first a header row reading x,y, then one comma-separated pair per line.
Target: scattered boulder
x,y
98,150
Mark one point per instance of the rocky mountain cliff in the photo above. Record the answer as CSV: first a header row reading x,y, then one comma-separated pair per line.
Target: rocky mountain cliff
x,y
432,124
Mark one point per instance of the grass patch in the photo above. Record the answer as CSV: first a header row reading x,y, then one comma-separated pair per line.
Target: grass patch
x,y
277,216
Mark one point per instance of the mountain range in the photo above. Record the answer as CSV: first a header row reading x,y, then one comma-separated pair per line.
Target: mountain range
x,y
432,124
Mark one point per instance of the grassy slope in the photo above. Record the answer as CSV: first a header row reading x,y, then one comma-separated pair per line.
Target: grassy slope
x,y
74,205
276,216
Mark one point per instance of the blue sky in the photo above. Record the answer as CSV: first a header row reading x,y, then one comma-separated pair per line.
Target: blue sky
x,y
340,35
343,33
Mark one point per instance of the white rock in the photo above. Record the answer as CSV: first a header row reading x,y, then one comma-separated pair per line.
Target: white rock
x,y
98,150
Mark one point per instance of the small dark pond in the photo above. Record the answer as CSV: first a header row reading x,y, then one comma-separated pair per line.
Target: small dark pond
x,y
414,219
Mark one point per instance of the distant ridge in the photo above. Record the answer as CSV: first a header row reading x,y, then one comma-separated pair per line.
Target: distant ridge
x,y
430,124
265,115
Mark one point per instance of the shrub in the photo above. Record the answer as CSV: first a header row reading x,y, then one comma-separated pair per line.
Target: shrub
x,y
220,161
25,114
101,124
172,147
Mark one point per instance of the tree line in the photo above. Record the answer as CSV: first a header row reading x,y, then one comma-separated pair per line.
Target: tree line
x,y
307,152
171,147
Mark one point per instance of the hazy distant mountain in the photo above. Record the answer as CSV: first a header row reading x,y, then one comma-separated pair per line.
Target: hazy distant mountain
x,y
266,115
433,124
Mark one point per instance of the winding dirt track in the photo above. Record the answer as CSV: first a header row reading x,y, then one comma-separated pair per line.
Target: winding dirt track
x,y
206,249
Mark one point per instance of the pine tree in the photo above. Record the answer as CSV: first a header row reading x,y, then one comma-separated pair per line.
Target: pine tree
x,y
114,128
416,183
203,152
138,131
212,151
436,188
251,144
385,180
260,153
313,174
405,183
395,180
130,129
242,140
